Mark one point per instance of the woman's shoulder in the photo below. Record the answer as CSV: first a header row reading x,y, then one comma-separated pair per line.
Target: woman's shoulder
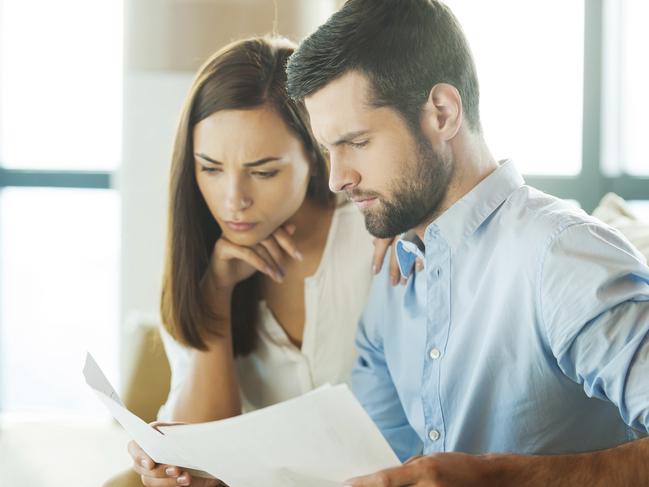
x,y
350,235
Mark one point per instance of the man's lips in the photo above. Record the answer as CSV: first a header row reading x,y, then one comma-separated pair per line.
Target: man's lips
x,y
240,226
363,203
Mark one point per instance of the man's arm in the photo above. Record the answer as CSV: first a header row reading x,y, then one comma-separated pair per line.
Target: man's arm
x,y
624,466
595,296
371,380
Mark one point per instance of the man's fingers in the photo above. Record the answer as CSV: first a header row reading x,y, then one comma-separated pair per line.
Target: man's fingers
x,y
392,477
419,265
285,240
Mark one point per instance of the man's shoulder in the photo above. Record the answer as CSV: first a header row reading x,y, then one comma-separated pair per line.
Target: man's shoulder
x,y
542,216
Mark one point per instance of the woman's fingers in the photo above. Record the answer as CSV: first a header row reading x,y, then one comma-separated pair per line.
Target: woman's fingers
x,y
395,272
284,237
381,246
276,253
139,456
248,255
159,424
278,272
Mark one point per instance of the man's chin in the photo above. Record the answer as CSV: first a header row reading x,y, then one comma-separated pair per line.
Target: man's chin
x,y
377,228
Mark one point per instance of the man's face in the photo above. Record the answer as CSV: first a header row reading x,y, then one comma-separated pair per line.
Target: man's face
x,y
391,172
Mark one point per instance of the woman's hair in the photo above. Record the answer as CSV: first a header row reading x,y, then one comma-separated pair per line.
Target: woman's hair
x,y
243,75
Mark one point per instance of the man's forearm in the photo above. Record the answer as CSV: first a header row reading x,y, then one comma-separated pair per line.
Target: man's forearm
x,y
625,465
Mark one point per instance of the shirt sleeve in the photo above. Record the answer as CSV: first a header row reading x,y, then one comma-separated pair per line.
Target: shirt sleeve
x,y
179,357
594,303
373,385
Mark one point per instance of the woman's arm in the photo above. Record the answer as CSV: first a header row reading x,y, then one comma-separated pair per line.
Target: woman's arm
x,y
211,391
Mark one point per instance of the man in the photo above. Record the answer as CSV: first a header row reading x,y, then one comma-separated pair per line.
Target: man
x,y
520,354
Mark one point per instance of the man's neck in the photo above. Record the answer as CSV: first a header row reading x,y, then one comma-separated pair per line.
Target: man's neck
x,y
472,165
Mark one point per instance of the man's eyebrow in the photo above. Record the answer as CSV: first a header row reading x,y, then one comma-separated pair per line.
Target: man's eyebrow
x,y
247,164
349,136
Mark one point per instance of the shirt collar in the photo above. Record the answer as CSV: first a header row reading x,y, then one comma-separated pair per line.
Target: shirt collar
x,y
465,216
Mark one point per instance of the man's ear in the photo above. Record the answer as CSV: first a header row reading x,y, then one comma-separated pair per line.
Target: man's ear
x,y
442,113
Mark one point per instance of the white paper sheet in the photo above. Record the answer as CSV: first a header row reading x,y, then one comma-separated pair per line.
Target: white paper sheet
x,y
319,439
153,442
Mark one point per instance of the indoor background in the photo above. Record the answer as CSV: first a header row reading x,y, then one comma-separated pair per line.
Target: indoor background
x,y
90,92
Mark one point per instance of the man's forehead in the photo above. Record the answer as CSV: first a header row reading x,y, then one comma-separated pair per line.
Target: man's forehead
x,y
339,107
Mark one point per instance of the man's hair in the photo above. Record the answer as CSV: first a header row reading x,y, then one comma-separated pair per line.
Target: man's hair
x,y
404,47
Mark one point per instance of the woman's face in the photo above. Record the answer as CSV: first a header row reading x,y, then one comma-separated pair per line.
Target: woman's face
x,y
251,170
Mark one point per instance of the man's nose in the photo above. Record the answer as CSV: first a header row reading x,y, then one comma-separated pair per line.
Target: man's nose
x,y
341,176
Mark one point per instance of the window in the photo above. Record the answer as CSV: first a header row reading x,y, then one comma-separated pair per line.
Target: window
x,y
60,141
574,73
531,83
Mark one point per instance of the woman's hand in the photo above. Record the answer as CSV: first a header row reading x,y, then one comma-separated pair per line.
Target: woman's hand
x,y
157,475
381,246
231,263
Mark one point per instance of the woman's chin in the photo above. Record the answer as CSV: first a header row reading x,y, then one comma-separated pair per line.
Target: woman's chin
x,y
246,239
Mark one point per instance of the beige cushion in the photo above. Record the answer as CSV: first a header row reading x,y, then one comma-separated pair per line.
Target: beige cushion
x,y
615,212
147,387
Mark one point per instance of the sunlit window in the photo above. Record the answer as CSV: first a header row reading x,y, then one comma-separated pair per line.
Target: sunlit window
x,y
634,120
60,110
60,84
529,57
59,251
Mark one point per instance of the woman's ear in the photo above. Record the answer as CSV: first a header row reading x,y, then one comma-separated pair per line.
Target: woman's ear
x,y
442,113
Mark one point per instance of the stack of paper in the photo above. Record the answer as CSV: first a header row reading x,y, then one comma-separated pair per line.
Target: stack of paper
x,y
316,440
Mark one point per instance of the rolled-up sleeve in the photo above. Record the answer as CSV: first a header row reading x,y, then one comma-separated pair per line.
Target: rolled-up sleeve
x,y
594,302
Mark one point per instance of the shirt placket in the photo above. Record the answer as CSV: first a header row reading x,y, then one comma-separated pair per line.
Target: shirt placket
x,y
437,326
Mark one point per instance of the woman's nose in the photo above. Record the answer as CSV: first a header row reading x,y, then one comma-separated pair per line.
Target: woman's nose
x,y
236,199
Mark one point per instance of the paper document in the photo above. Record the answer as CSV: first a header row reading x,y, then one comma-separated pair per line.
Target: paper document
x,y
319,439
154,443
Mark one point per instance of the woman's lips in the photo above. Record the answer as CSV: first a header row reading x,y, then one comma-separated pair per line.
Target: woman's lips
x,y
240,226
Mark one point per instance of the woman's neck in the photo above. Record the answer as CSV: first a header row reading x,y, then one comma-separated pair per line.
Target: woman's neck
x,y
309,221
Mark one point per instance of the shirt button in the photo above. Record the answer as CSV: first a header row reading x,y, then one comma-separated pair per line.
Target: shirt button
x,y
433,435
435,353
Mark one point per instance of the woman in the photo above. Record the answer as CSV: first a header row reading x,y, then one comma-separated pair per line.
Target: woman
x,y
266,272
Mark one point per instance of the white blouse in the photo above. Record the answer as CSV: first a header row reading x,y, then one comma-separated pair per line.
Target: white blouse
x,y
334,298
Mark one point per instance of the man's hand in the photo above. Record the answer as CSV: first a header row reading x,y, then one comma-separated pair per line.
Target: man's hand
x,y
626,465
440,470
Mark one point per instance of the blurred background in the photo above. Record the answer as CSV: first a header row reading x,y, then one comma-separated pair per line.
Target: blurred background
x,y
90,92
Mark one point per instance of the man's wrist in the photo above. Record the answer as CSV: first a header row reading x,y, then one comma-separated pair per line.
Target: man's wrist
x,y
541,470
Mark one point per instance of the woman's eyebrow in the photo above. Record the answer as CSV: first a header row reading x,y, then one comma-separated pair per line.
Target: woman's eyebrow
x,y
247,164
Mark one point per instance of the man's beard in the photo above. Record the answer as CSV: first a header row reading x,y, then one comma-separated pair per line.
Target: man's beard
x,y
415,196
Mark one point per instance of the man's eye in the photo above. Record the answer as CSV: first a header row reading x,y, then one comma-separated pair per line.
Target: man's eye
x,y
359,145
265,174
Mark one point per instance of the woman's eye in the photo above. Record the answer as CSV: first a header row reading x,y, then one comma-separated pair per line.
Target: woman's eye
x,y
359,145
265,174
210,170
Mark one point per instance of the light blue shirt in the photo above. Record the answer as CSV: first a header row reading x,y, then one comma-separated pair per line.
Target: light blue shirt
x,y
526,332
